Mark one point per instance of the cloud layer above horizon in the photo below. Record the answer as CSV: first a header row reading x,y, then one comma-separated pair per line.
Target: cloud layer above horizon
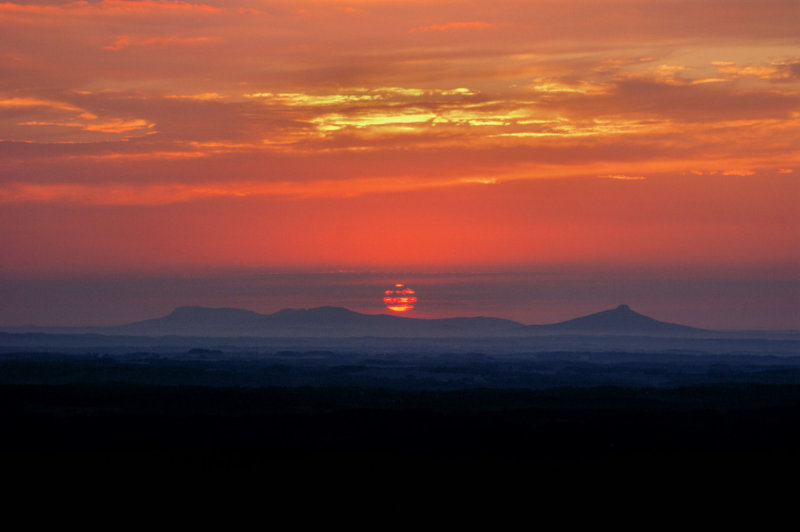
x,y
532,89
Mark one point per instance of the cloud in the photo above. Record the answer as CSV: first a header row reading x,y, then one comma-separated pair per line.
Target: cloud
x,y
738,172
623,177
51,115
33,102
476,24
159,42
787,70
165,194
111,126
329,90
104,6
726,172
784,70
149,5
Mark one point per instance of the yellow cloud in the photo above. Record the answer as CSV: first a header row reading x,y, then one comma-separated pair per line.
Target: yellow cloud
x,y
109,126
37,102
623,177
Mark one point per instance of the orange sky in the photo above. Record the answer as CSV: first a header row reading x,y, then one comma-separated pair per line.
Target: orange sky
x,y
160,136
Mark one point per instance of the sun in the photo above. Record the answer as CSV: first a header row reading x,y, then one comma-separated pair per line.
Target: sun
x,y
400,298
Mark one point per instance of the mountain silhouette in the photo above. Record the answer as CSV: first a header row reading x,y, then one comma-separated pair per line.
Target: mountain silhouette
x,y
321,321
195,321
621,320
332,321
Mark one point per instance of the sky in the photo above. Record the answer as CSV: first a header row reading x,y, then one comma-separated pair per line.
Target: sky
x,y
534,160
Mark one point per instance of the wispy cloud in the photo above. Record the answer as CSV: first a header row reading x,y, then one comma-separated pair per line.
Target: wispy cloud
x,y
158,42
471,25
623,177
104,6
165,194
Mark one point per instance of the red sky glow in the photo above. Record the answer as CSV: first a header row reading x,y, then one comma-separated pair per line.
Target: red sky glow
x,y
648,136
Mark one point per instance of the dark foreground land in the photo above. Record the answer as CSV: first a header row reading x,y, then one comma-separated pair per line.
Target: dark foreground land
x,y
553,414
270,424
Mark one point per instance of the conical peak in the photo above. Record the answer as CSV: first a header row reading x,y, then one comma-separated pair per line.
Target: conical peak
x,y
623,307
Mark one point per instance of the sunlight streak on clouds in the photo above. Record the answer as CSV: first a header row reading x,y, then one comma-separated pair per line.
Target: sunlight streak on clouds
x,y
165,194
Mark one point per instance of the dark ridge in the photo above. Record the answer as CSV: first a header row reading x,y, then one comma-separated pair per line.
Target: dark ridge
x,y
619,320
339,322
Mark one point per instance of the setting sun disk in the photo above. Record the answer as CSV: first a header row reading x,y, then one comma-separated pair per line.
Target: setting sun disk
x,y
400,298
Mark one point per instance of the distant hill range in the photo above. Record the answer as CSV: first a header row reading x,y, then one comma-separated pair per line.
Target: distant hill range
x,y
621,320
337,322
317,322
